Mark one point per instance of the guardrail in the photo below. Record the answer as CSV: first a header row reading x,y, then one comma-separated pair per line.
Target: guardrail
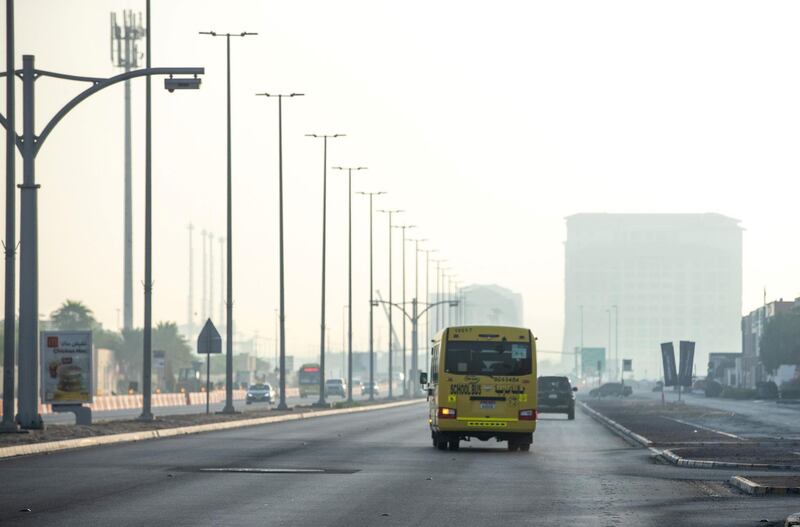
x,y
106,403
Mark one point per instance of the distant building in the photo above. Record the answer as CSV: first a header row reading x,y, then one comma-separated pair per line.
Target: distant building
x,y
671,277
490,305
753,324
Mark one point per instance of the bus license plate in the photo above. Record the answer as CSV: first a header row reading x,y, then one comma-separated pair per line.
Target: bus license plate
x,y
552,396
487,405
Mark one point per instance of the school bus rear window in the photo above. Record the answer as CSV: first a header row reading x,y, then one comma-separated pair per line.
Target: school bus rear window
x,y
488,358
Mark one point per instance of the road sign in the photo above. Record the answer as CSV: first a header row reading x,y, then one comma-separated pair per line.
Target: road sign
x,y
66,367
592,358
686,363
627,365
668,360
209,340
159,359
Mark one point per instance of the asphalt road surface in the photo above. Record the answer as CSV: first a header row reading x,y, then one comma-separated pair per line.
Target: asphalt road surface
x,y
379,469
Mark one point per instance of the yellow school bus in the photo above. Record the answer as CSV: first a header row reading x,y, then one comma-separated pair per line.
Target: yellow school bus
x,y
482,385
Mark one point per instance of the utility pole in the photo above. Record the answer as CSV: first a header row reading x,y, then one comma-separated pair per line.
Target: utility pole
x,y
350,278
415,335
282,303
371,387
616,341
229,409
427,312
190,302
325,138
125,55
390,212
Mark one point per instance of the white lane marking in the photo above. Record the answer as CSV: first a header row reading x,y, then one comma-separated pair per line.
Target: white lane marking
x,y
706,428
267,470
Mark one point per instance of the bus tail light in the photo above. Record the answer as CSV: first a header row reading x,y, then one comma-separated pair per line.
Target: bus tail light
x,y
446,413
527,415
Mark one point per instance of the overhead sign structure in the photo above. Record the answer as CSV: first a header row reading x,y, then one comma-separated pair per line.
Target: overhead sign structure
x,y
668,360
686,364
627,365
66,367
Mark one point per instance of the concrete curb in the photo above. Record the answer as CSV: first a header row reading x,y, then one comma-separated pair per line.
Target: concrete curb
x,y
83,442
675,459
753,488
616,427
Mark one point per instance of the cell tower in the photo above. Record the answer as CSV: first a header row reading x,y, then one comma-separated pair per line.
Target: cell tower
x,y
125,54
190,313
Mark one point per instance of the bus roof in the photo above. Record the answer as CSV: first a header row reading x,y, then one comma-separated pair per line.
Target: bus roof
x,y
488,333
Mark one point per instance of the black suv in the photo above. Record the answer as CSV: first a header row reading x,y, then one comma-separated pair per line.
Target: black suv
x,y
556,396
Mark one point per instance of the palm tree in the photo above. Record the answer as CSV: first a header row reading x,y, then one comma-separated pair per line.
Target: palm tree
x,y
73,315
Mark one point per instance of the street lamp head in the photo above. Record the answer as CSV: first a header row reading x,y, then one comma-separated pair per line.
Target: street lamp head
x,y
370,193
329,136
296,94
247,33
212,33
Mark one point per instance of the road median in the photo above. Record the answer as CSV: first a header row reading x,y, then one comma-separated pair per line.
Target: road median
x,y
29,444
675,435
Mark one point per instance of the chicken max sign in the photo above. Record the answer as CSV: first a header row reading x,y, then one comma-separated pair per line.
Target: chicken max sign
x,y
66,367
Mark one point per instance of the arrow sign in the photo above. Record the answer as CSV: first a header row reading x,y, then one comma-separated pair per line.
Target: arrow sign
x,y
209,340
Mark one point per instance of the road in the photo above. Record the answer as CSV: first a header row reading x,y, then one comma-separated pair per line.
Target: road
x,y
381,470
240,405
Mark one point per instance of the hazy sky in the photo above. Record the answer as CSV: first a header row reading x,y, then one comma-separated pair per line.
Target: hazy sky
x,y
487,122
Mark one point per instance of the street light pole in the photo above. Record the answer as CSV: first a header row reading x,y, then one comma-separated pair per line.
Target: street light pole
x,y
10,247
616,341
325,138
415,335
371,387
390,212
282,384
427,300
405,371
350,278
229,409
30,145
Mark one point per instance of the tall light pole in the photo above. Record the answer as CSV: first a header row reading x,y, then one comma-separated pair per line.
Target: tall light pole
x,y
350,278
282,384
390,212
229,409
580,308
415,346
616,341
204,289
325,138
405,371
371,387
190,300
10,247
427,300
439,262
210,275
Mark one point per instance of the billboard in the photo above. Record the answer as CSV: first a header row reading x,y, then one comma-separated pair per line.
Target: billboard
x,y
66,367
591,358
668,361
686,364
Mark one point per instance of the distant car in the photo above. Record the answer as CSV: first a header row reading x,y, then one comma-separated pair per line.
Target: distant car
x,y
700,386
556,396
766,390
336,387
611,389
259,393
365,388
659,387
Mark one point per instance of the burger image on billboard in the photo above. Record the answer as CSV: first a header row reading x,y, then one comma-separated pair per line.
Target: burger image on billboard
x,y
70,378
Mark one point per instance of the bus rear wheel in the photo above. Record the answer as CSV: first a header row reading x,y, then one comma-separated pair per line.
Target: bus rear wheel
x,y
453,444
440,442
512,445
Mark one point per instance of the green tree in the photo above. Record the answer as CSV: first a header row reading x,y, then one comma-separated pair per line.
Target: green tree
x,y
780,343
73,315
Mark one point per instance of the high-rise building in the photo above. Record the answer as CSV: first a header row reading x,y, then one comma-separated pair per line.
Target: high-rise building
x,y
490,305
653,278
